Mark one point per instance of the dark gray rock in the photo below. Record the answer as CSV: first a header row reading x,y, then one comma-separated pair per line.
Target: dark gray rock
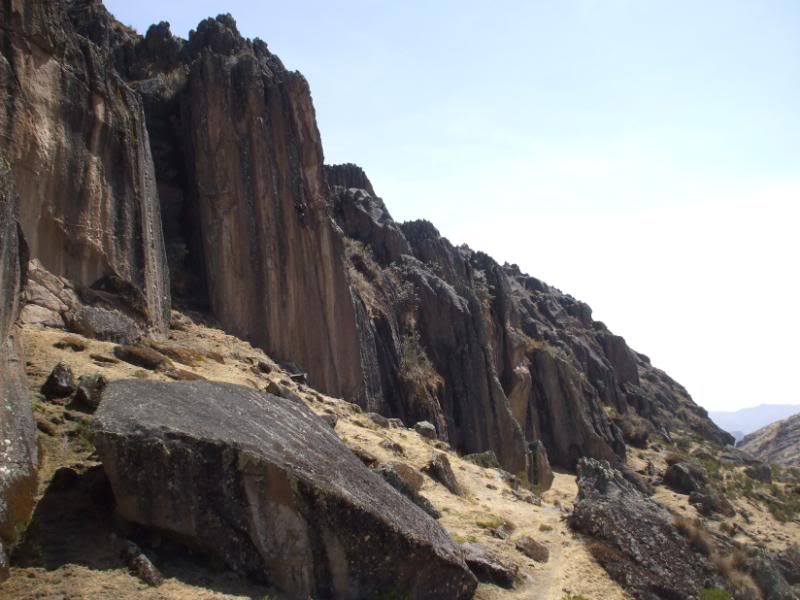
x,y
141,566
760,472
686,478
60,383
711,501
487,567
109,325
89,392
768,576
426,429
379,420
634,537
262,483
439,469
141,356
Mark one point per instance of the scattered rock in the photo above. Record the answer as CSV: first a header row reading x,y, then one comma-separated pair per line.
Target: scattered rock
x,y
439,469
141,356
103,358
109,325
276,389
70,342
396,424
263,484
426,429
533,549
60,383
88,394
760,472
180,374
365,456
140,566
487,567
685,478
176,352
379,420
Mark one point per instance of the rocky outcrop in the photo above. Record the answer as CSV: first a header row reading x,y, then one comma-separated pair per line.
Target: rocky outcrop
x,y
778,443
18,450
634,537
265,485
74,134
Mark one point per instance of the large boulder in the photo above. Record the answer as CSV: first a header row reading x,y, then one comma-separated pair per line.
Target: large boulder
x,y
685,478
635,538
262,483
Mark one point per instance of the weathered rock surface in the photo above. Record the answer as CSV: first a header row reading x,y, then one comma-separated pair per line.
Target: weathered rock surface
x,y
74,134
487,567
635,539
262,483
439,469
778,443
685,477
532,549
18,450
60,383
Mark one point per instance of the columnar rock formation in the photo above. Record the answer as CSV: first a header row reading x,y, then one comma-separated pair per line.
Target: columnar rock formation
x,y
74,134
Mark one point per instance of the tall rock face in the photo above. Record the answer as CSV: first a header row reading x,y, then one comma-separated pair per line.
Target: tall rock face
x,y
74,134
18,450
496,359
239,164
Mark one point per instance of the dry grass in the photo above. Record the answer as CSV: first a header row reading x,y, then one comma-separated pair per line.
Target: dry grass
x,y
697,535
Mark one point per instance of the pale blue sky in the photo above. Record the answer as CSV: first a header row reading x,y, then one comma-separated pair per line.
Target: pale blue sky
x,y
643,156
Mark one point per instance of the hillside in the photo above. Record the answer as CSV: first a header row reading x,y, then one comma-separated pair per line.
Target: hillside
x,y
227,371
748,420
777,443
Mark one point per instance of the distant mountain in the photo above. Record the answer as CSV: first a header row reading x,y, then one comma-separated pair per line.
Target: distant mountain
x,y
747,420
777,443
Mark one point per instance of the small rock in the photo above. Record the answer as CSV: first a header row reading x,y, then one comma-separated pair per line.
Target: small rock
x,y
439,469
400,477
181,374
379,420
396,424
140,566
276,389
685,478
103,324
533,549
330,419
426,429
141,356
60,383
710,501
487,567
103,358
760,472
90,389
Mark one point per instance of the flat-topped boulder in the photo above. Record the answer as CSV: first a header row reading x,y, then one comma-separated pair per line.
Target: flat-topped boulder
x,y
264,484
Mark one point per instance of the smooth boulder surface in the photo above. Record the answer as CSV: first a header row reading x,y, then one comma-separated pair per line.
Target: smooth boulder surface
x,y
265,485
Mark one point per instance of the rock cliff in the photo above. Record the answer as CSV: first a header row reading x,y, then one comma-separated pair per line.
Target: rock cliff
x,y
74,134
300,259
777,443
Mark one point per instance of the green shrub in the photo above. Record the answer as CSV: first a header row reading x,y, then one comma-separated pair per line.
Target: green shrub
x,y
714,594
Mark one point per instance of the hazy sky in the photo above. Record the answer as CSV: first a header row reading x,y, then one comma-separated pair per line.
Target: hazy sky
x,y
643,156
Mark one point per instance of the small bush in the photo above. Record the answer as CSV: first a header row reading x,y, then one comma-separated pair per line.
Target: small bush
x,y
694,531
